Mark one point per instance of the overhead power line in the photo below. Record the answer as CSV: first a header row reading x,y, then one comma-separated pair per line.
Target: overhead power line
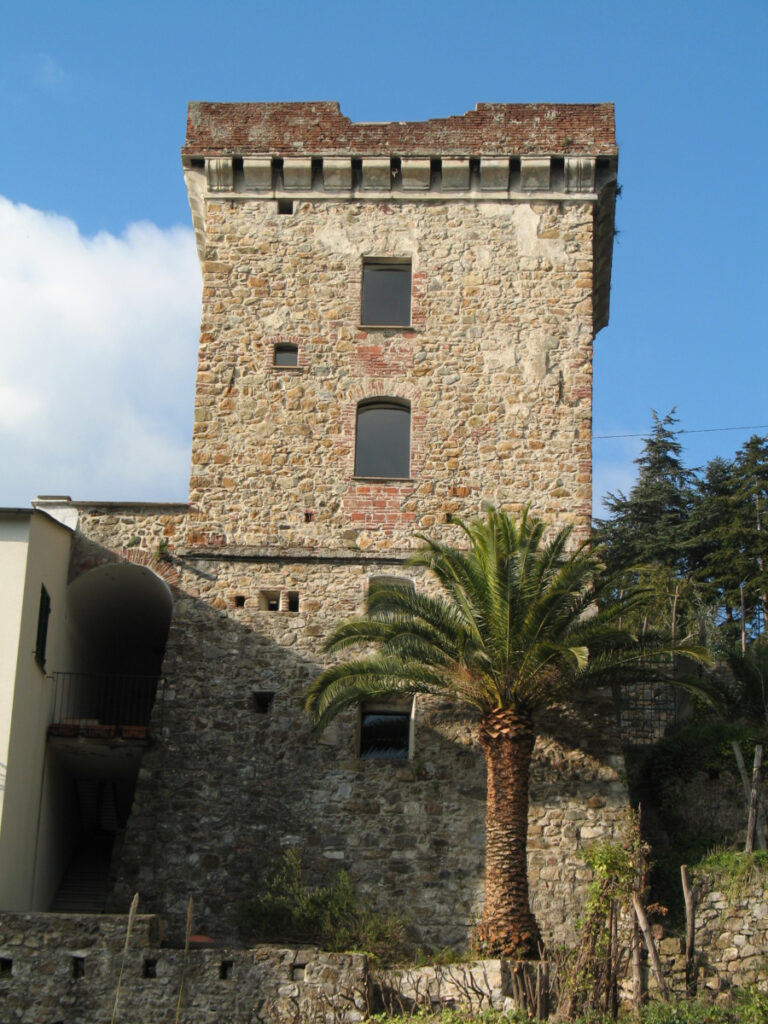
x,y
703,430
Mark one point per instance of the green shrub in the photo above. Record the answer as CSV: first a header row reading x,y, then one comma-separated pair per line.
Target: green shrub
x,y
282,908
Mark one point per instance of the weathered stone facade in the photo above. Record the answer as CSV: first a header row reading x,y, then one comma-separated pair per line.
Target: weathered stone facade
x,y
504,218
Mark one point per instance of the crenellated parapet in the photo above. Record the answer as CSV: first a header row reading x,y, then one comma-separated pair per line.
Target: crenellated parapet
x,y
499,152
508,176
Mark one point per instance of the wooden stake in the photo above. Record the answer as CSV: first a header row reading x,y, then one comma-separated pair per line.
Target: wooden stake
x,y
642,920
690,931
748,794
752,822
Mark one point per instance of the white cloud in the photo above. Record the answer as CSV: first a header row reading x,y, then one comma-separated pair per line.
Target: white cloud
x,y
98,346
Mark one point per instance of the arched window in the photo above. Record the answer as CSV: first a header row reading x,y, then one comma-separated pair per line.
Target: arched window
x,y
383,438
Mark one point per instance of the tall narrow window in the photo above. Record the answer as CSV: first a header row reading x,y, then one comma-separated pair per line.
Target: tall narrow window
x,y
44,613
383,439
386,298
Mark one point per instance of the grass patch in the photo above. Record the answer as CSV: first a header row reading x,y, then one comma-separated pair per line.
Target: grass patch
x,y
735,873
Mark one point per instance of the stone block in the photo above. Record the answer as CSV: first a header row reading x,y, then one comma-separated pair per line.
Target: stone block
x,y
579,174
337,173
257,173
297,173
415,174
494,174
219,174
535,173
455,175
377,174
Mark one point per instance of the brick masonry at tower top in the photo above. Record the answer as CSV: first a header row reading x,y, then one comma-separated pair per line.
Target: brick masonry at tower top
x,y
502,217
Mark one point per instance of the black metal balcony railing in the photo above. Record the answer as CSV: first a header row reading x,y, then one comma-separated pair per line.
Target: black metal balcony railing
x,y
102,705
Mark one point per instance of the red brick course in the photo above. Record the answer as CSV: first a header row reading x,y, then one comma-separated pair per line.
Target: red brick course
x,y
317,129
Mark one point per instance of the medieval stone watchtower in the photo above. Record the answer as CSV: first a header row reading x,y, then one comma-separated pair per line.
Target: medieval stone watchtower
x,y
397,323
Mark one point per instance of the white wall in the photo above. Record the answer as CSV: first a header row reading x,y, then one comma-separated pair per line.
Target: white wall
x,y
14,535
46,564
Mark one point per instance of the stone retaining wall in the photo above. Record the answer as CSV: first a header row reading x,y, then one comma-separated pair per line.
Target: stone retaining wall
x,y
64,969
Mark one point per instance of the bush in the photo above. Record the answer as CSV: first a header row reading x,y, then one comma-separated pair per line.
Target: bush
x,y
282,908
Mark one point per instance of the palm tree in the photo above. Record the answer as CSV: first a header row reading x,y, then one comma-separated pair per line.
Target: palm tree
x,y
521,624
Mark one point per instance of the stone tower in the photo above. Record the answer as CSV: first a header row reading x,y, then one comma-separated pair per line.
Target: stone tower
x,y
397,324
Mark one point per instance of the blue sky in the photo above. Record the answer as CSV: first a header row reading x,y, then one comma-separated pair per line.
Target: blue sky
x,y
99,290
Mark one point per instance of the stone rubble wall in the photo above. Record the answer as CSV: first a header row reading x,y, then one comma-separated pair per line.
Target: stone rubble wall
x,y
228,789
497,366
66,967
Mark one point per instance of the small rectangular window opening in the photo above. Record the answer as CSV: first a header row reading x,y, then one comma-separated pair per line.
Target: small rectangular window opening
x,y
286,355
386,298
377,582
78,966
263,701
269,601
226,969
6,965
285,206
240,601
44,613
309,517
385,734
149,970
293,600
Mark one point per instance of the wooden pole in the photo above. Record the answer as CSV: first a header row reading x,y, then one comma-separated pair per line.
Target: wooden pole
x,y
637,967
690,931
743,623
642,920
752,822
748,794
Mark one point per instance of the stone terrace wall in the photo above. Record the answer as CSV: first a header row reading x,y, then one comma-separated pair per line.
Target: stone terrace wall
x,y
732,933
65,968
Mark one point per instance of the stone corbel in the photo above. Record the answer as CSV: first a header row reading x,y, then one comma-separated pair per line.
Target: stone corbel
x,y
494,174
219,174
337,173
579,174
257,173
415,174
297,173
377,174
535,173
455,175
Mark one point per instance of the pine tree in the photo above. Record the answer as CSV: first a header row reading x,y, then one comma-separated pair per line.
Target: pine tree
x,y
650,526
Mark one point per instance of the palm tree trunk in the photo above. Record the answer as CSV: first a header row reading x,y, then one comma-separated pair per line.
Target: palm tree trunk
x,y
507,927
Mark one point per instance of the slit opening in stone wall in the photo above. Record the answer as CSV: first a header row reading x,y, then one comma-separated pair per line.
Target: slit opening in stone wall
x,y
149,968
309,516
269,601
239,601
262,701
286,355
293,600
238,175
226,969
474,173
78,966
357,172
6,965
557,173
285,206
